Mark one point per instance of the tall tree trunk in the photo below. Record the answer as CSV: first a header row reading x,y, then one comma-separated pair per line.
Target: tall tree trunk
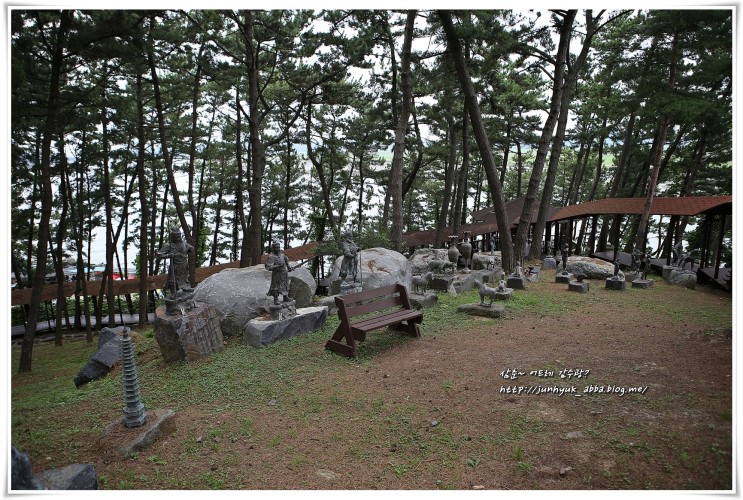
x,y
395,185
46,189
257,153
325,184
163,137
565,98
640,236
192,207
460,204
218,214
61,231
145,217
448,182
478,128
544,141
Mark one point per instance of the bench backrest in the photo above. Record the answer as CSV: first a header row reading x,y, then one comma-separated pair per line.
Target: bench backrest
x,y
376,299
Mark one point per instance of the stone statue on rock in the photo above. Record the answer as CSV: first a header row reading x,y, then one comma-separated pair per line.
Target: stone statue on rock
x,y
176,250
349,265
278,264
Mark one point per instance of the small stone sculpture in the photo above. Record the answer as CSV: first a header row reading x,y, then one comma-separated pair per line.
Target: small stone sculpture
x,y
134,414
550,247
564,256
420,283
349,265
643,267
687,257
278,264
636,258
676,252
616,267
502,283
485,291
438,266
492,244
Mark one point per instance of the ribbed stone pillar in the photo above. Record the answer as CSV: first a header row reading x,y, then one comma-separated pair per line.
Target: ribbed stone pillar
x,y
134,413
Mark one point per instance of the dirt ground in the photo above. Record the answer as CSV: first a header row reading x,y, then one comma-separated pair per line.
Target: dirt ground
x,y
652,409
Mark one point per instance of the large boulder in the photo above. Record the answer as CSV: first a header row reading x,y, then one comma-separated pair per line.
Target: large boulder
x,y
420,258
379,267
239,294
483,260
592,268
686,279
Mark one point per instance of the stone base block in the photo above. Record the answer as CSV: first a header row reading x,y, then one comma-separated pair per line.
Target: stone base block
x,y
282,309
549,263
428,299
563,277
441,283
615,284
631,276
260,332
503,295
516,282
489,311
578,286
642,284
128,441
188,337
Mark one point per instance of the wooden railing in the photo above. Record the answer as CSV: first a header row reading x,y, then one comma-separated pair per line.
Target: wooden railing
x,y
123,287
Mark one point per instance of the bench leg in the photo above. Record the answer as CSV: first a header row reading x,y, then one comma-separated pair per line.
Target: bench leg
x,y
335,344
411,329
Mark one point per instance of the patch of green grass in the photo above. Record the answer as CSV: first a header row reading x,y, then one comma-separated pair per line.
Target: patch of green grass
x,y
473,461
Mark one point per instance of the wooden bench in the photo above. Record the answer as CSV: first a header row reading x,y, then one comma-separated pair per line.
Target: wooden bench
x,y
396,313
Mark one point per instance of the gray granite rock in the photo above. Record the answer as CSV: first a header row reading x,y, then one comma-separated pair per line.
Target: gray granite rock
x,y
72,477
239,295
488,311
549,263
130,441
486,261
379,267
683,278
103,360
420,258
592,268
260,333
190,336
422,301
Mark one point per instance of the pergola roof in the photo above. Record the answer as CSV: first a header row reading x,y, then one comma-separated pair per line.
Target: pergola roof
x,y
687,205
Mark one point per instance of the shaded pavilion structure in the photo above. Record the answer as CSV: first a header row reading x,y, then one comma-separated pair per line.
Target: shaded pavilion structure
x,y
711,207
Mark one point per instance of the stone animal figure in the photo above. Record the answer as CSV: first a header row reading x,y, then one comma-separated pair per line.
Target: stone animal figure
x,y
440,266
485,291
420,283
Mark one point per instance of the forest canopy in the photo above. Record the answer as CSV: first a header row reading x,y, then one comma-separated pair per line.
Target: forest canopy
x,y
294,125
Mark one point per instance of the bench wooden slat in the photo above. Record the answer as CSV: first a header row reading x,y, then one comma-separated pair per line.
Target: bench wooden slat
x,y
367,294
370,324
375,305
